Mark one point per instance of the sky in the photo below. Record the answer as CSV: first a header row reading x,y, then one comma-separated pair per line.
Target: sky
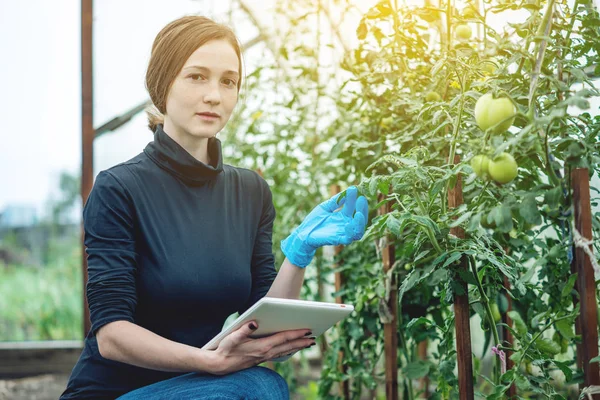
x,y
40,77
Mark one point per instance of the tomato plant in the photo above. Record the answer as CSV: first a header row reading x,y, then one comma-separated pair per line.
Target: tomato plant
x,y
410,97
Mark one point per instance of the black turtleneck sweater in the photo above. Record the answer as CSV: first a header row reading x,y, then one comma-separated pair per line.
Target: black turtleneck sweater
x,y
175,246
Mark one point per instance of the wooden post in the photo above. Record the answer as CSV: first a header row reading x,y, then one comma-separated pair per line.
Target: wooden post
x,y
390,330
507,336
578,346
339,284
87,134
585,285
461,308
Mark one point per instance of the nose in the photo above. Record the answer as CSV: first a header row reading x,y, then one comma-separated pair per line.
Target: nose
x,y
213,96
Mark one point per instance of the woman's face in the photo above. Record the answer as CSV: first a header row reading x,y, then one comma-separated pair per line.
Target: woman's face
x,y
206,83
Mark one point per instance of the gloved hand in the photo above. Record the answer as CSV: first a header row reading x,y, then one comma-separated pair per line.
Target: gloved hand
x,y
324,227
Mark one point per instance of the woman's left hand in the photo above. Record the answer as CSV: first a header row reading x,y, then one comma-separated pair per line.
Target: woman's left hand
x,y
324,227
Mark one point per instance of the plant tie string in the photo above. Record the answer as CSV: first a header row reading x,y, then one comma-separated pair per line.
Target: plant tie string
x,y
584,244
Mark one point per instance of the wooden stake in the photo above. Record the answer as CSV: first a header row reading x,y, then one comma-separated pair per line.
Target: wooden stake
x,y
585,285
461,308
87,134
390,330
507,336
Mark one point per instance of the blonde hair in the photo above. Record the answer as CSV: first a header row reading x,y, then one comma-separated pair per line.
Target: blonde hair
x,y
173,45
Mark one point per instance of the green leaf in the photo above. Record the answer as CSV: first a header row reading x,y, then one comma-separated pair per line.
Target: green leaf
x,y
529,210
337,148
362,30
564,367
453,257
460,220
373,13
547,346
447,370
467,276
415,277
528,275
520,326
522,382
394,225
595,359
502,216
552,197
417,369
565,327
508,376
566,291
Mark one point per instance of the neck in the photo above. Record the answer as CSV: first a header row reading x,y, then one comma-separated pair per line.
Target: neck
x,y
196,146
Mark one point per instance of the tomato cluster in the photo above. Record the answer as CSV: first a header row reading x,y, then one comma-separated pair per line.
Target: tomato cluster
x,y
495,115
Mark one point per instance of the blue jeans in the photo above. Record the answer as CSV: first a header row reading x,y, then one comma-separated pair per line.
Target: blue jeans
x,y
255,383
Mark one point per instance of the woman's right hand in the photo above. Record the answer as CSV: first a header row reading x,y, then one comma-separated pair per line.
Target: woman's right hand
x,y
238,351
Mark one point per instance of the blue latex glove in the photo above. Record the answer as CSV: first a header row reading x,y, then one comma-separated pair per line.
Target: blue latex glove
x,y
324,227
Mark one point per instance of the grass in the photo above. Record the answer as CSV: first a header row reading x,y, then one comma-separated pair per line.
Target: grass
x,y
43,303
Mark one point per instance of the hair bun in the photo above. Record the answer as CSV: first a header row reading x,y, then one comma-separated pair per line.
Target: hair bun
x,y
155,117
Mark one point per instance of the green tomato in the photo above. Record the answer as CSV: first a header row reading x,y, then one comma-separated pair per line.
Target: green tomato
x,y
490,111
463,32
491,224
489,66
529,367
432,96
564,345
496,312
480,164
503,168
469,12
386,122
408,266
563,342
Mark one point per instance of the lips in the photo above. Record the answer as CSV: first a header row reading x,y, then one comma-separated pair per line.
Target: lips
x,y
209,114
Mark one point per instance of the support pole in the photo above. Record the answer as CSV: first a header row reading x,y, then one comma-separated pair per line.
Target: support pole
x,y
87,134
585,285
461,307
390,330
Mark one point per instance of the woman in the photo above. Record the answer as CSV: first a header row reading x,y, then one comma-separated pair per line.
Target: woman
x,y
177,241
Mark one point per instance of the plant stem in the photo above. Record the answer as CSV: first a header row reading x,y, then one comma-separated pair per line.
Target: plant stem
x,y
540,49
408,360
552,175
480,196
527,43
449,25
456,128
537,336
453,142
485,301
420,203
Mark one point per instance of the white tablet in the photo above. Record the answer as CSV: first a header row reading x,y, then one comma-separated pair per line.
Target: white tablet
x,y
275,315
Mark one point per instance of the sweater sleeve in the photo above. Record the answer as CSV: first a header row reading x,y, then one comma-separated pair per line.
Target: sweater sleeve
x,y
263,258
108,217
